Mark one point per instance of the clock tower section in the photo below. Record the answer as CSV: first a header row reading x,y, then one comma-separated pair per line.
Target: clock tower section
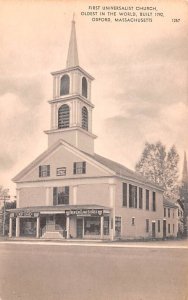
x,y
71,107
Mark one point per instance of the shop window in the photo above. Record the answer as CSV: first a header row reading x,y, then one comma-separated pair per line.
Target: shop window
x,y
44,171
84,87
147,225
140,198
154,202
168,228
159,226
65,84
132,196
61,195
106,226
63,116
84,118
79,167
92,225
117,226
147,199
124,194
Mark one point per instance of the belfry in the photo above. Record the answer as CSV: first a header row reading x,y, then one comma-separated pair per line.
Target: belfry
x,y
71,106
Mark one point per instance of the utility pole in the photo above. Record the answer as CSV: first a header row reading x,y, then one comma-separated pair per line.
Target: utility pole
x,y
4,198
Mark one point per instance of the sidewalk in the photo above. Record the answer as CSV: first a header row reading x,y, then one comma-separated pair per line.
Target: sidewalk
x,y
171,244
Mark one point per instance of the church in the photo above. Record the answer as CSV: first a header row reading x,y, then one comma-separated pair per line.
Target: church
x,y
71,192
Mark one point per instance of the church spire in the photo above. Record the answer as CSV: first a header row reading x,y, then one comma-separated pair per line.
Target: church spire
x,y
72,57
185,172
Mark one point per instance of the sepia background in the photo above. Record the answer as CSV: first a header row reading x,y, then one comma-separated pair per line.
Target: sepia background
x,y
141,88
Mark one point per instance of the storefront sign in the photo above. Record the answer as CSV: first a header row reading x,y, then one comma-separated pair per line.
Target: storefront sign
x,y
27,213
85,212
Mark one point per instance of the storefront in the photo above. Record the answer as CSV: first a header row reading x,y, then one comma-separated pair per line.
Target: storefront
x,y
81,222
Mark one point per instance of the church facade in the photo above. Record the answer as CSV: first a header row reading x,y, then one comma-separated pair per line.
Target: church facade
x,y
69,191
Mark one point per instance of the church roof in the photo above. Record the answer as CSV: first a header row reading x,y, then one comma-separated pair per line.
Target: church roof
x,y
72,57
113,167
169,203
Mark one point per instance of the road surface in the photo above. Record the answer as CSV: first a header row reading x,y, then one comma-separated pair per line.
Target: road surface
x,y
53,272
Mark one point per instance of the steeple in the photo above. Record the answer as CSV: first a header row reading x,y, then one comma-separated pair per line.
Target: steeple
x,y
72,57
71,106
185,172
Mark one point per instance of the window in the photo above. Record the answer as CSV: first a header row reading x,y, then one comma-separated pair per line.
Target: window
x,y
173,213
84,118
147,225
159,226
168,212
44,171
106,225
168,228
84,87
61,171
140,198
63,116
61,195
133,221
132,196
147,199
65,83
173,228
164,212
124,194
79,167
154,202
91,225
117,226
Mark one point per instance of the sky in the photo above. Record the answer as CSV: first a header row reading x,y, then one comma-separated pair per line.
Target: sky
x,y
140,91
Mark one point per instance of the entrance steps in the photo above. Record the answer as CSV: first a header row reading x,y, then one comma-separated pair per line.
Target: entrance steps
x,y
52,235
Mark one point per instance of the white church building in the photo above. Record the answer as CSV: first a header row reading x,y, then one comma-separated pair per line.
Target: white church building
x,y
69,191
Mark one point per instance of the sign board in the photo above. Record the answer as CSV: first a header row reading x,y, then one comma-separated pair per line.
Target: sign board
x,y
85,212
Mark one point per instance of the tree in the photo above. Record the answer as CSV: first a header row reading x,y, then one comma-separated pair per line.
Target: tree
x,y
160,167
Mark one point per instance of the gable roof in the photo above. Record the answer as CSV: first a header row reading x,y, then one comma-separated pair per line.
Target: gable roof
x,y
123,171
169,203
110,165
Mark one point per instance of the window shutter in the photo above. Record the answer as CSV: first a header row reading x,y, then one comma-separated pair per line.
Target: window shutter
x,y
48,170
74,168
54,196
39,171
84,167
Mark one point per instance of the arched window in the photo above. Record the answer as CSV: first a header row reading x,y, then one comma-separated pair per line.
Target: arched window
x,y
84,118
65,83
84,87
63,116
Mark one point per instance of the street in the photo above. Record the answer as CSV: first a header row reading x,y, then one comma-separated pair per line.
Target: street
x,y
50,272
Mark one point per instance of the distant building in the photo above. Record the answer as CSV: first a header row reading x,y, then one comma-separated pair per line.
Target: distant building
x,y
69,190
170,221
184,194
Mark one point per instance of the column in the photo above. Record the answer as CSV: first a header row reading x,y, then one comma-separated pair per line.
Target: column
x,y
112,226
74,191
38,227
17,226
83,227
102,227
68,226
47,196
10,227
17,198
112,188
